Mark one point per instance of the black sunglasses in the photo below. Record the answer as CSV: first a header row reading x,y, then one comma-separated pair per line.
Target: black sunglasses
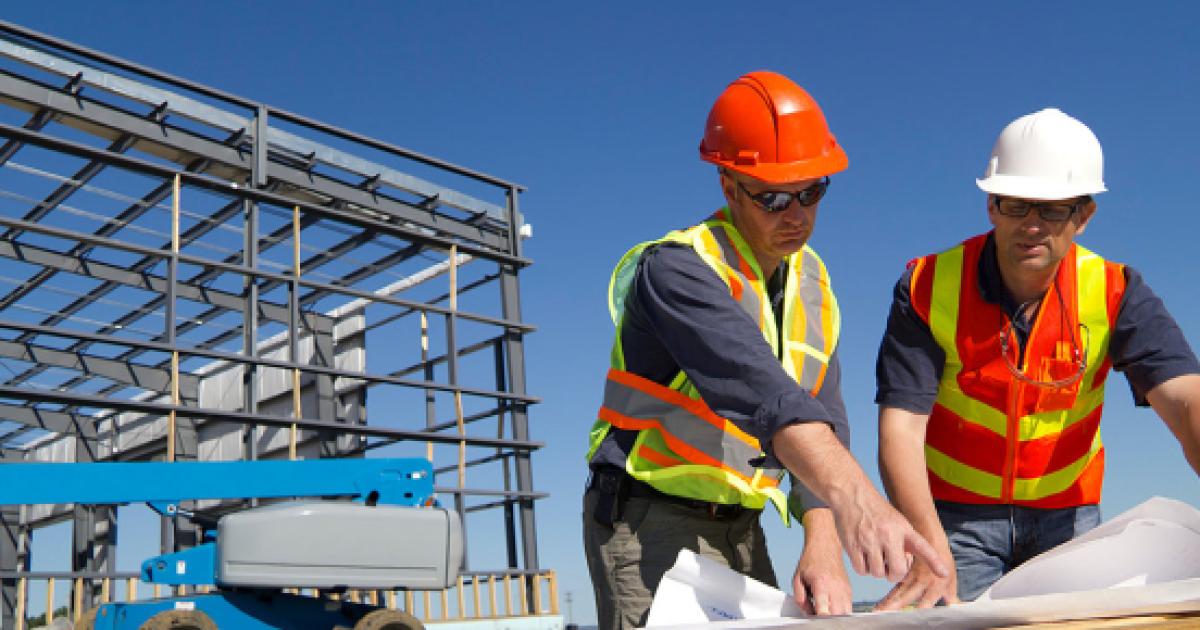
x,y
779,200
1051,211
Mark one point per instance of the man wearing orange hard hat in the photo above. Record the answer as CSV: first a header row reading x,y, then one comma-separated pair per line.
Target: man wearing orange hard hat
x,y
725,375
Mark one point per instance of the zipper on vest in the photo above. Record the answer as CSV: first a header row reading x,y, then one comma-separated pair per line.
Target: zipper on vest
x,y
1008,475
1015,395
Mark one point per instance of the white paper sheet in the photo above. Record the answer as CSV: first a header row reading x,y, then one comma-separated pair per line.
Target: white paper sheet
x,y
1144,561
699,590
1155,542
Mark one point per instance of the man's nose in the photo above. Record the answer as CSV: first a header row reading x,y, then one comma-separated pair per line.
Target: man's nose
x,y
1033,222
795,213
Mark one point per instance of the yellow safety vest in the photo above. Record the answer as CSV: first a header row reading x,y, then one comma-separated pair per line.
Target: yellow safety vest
x,y
683,448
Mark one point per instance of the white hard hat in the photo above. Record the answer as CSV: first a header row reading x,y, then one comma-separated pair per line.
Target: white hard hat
x,y
1045,155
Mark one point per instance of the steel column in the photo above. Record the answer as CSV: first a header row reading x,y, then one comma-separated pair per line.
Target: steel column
x,y
514,346
10,535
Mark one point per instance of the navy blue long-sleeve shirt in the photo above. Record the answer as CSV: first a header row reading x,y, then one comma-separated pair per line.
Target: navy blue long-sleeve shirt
x,y
679,315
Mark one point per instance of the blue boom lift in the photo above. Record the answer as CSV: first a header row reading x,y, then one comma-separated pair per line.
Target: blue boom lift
x,y
386,535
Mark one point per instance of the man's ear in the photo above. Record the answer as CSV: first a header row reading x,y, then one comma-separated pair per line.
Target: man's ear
x,y
991,209
1085,216
728,186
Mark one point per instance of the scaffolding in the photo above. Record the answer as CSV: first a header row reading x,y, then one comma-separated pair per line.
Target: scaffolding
x,y
190,275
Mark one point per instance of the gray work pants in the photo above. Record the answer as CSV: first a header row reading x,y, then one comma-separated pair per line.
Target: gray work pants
x,y
628,560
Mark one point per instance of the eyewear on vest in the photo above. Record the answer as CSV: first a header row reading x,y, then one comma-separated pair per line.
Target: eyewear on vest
x,y
774,201
1051,211
1066,351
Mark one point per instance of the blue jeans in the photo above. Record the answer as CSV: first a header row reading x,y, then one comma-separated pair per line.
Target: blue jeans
x,y
990,540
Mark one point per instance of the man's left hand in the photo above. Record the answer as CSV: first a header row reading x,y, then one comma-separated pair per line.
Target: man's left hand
x,y
820,583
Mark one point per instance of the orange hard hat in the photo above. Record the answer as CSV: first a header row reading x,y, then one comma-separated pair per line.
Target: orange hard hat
x,y
769,128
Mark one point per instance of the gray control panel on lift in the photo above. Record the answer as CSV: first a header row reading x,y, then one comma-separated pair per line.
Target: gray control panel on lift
x,y
339,544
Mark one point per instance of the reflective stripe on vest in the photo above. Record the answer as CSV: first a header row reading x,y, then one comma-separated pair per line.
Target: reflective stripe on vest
x,y
693,432
992,438
683,447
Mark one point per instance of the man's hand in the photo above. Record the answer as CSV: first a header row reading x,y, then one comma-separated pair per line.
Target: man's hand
x,y
923,586
820,583
877,538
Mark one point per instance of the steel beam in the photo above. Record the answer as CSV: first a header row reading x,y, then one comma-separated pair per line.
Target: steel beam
x,y
359,219
51,420
123,373
117,62
241,359
161,409
180,146
215,266
127,276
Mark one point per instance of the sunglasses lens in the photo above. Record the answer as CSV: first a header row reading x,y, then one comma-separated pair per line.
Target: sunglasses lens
x,y
1056,212
812,194
775,201
1012,207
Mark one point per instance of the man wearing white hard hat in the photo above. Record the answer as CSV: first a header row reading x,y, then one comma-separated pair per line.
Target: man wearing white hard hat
x,y
992,369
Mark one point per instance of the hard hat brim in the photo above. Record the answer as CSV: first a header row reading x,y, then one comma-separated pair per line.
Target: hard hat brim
x,y
1037,188
774,173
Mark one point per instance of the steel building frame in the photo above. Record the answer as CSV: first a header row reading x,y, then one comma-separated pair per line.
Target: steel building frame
x,y
117,184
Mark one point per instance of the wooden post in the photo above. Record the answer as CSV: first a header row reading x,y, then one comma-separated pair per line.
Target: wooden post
x,y
507,595
537,594
462,599
524,598
49,601
171,324
296,411
492,595
458,406
131,590
475,592
553,577
21,584
77,601
425,357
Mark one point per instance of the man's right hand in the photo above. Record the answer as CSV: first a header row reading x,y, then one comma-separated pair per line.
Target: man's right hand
x,y
923,586
876,536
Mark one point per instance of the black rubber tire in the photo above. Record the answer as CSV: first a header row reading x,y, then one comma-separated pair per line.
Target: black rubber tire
x,y
179,620
384,619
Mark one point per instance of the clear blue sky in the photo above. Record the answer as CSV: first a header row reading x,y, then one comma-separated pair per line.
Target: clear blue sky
x,y
598,109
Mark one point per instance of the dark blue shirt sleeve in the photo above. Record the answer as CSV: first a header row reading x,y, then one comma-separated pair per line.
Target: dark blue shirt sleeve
x,y
801,499
909,366
1147,345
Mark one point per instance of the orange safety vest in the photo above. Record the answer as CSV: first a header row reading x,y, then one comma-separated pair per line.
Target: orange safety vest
x,y
683,448
998,439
